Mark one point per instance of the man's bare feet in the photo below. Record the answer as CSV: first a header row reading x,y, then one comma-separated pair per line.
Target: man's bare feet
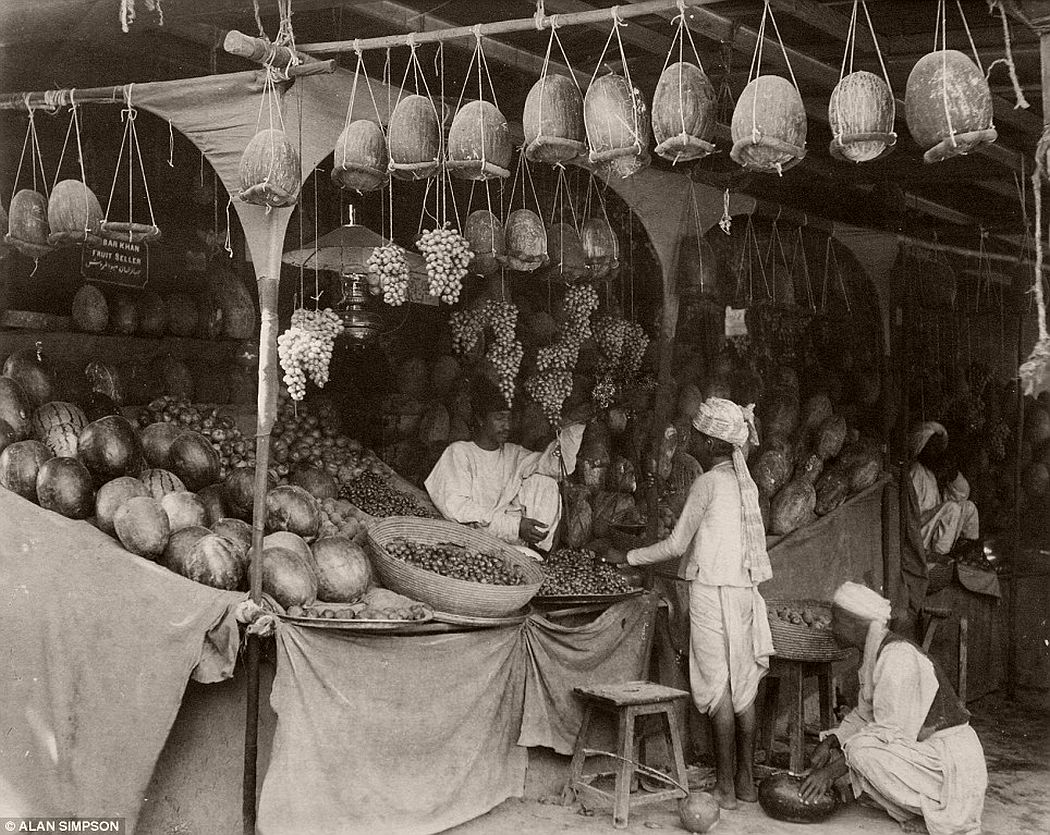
x,y
916,825
746,789
725,796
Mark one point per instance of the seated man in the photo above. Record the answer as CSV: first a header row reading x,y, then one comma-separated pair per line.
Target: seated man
x,y
500,487
947,515
908,743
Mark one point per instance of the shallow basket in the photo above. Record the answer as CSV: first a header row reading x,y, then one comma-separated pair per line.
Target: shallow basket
x,y
800,642
444,594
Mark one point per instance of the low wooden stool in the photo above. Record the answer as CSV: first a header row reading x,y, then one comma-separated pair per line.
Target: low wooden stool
x,y
626,702
794,673
932,617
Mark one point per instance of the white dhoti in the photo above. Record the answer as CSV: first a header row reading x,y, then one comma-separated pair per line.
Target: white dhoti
x,y
952,521
943,778
729,644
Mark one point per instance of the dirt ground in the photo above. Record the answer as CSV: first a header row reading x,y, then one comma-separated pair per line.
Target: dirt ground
x,y
1016,739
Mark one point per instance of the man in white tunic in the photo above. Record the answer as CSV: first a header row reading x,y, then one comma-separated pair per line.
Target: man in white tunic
x,y
503,488
908,744
947,515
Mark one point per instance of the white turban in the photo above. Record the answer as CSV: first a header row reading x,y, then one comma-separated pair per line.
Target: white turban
x,y
922,433
725,420
862,602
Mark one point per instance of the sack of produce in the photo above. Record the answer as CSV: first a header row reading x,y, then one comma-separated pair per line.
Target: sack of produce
x,y
792,506
832,490
815,411
810,468
622,478
772,471
830,437
578,517
780,413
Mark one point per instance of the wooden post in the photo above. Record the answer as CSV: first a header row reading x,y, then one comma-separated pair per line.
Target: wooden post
x,y
263,52
1011,597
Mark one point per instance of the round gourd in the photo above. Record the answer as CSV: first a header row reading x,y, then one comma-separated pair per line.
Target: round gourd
x,y
175,376
698,812
14,407
73,214
179,545
360,158
601,248
63,485
948,105
106,379
414,138
779,798
479,146
566,252
194,460
291,508
617,125
239,318
769,125
90,311
288,578
57,425
239,488
316,482
270,170
152,314
182,314
142,527
552,121
290,541
684,113
109,447
111,496
124,315
525,239
20,464
210,315
861,115
184,510
159,482
212,497
33,371
484,231
7,435
791,506
214,561
239,533
27,229
98,405
343,570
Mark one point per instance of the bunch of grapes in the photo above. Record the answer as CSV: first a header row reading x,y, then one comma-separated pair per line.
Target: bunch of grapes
x,y
305,349
997,439
466,327
505,352
581,300
447,254
636,343
604,392
549,389
390,264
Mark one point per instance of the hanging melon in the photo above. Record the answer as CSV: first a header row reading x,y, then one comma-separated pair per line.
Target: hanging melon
x,y
270,170
479,145
566,252
360,157
948,105
27,229
90,311
237,305
414,138
601,249
617,126
525,241
553,121
861,114
73,214
153,313
684,113
485,233
769,126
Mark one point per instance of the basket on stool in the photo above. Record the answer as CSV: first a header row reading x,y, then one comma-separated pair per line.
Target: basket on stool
x,y
800,642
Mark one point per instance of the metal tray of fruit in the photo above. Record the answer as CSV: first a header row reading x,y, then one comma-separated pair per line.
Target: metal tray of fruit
x,y
615,597
473,621
312,617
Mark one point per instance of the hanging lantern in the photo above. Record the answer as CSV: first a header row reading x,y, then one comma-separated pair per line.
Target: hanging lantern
x,y
861,113
553,121
566,252
601,249
485,233
769,125
479,142
414,138
526,242
27,229
73,214
684,113
271,174
948,105
617,126
360,324
360,157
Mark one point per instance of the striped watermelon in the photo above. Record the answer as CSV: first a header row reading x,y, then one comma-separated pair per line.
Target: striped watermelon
x,y
56,425
161,482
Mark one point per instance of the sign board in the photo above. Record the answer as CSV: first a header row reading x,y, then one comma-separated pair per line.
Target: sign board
x,y
736,321
117,262
419,290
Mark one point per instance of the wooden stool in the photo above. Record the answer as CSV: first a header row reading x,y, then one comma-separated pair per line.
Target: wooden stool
x,y
626,702
794,674
933,616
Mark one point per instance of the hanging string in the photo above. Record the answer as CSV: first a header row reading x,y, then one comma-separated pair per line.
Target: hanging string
x,y
258,20
228,243
798,254
36,161
171,145
725,223
618,23
1019,98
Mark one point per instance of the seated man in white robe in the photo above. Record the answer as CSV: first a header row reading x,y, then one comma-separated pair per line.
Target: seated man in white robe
x,y
500,487
908,744
947,515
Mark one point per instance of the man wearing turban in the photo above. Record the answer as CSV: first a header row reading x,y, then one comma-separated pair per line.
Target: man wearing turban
x,y
721,540
908,744
946,514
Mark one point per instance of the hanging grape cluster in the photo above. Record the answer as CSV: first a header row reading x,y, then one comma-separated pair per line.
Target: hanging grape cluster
x,y
636,343
305,349
505,352
447,254
389,263
552,382
466,327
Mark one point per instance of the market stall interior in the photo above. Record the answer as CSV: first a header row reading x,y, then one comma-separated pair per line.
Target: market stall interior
x,y
260,259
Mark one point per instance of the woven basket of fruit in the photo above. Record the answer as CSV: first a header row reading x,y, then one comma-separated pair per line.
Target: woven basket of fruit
x,y
451,567
802,630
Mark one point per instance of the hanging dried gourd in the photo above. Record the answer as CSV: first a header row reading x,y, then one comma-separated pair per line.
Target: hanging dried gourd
x,y
948,104
614,113
862,109
27,229
414,133
552,121
684,102
479,146
769,121
360,162
130,230
564,247
484,231
524,235
74,215
270,170
601,248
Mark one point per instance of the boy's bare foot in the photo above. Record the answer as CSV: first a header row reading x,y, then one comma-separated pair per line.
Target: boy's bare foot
x,y
915,825
725,797
746,789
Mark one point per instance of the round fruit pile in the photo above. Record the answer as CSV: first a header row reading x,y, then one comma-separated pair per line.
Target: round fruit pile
x,y
447,254
372,494
573,571
339,518
802,616
458,563
221,431
389,265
